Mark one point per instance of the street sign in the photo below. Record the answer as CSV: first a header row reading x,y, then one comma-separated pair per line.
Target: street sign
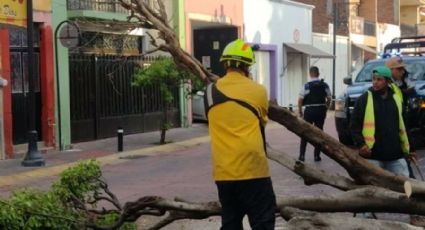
x,y
69,35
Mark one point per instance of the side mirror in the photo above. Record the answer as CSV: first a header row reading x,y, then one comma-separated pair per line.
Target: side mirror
x,y
348,80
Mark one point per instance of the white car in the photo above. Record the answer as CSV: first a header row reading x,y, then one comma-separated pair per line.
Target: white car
x,y
198,107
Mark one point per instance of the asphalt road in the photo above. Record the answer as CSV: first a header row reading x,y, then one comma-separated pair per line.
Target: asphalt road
x,y
187,174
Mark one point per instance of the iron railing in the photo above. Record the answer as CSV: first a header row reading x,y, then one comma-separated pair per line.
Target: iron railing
x,y
103,97
97,5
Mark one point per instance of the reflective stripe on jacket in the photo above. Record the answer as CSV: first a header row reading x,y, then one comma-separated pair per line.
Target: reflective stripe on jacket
x,y
368,130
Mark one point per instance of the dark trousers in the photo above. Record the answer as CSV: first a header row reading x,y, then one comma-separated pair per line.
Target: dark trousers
x,y
254,198
315,115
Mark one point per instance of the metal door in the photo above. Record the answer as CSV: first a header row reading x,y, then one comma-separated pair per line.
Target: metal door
x,y
209,45
19,84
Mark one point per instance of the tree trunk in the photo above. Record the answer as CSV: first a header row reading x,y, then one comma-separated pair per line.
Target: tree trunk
x,y
318,221
370,198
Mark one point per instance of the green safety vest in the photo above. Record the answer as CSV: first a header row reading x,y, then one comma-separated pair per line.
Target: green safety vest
x,y
369,124
397,91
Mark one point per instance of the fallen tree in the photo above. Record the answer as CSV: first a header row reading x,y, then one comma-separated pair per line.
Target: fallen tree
x,y
369,189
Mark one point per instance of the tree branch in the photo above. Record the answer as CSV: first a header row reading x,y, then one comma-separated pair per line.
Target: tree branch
x,y
311,174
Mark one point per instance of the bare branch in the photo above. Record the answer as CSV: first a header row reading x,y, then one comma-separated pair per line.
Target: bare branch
x,y
311,174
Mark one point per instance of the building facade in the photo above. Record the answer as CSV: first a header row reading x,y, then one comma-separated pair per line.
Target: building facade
x,y
362,28
94,91
207,27
284,28
412,17
13,38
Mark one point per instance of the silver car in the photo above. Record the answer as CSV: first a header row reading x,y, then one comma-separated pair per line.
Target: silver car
x,y
198,107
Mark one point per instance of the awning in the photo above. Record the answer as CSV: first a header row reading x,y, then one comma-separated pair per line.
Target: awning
x,y
307,49
365,48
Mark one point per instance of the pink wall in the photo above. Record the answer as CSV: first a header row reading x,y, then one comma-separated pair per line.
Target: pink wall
x,y
213,8
44,17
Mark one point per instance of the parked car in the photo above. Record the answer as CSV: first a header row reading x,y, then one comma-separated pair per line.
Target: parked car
x,y
198,107
415,66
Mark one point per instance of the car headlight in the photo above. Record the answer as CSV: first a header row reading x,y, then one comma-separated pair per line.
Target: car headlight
x,y
422,104
415,103
339,105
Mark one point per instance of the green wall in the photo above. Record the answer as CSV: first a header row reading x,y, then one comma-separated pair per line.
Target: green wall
x,y
59,15
180,25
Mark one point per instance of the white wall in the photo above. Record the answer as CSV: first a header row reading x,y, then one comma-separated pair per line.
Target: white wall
x,y
385,33
274,22
260,71
325,43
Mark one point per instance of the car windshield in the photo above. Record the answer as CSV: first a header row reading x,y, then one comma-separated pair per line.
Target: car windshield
x,y
415,67
365,74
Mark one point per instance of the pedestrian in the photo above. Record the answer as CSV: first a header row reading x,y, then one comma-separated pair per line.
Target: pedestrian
x,y
399,74
402,87
315,97
236,108
377,125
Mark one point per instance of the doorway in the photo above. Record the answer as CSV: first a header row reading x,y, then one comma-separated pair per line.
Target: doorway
x,y
295,78
20,84
208,45
260,71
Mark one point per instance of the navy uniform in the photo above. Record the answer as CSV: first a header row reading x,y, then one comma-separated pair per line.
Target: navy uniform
x,y
313,97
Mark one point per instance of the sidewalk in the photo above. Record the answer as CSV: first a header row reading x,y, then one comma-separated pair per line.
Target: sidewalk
x,y
105,151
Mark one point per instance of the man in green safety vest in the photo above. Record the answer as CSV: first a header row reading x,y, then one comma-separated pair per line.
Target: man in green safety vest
x,y
377,125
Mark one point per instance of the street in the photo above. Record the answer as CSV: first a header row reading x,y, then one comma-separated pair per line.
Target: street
x,y
186,173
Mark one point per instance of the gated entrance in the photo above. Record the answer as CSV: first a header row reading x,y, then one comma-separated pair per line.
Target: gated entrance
x,y
103,98
20,82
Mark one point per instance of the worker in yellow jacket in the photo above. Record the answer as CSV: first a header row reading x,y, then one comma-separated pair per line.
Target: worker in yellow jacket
x,y
236,107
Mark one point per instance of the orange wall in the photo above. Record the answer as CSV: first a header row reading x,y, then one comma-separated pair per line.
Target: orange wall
x,y
232,9
43,5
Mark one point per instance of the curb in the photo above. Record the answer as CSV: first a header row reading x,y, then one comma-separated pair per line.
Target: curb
x,y
112,159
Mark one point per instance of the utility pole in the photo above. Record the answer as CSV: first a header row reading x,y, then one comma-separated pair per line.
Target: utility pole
x,y
335,25
33,157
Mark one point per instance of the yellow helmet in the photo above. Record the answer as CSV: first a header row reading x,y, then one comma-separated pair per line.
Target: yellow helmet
x,y
238,51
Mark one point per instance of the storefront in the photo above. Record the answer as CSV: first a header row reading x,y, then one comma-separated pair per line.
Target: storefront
x,y
13,38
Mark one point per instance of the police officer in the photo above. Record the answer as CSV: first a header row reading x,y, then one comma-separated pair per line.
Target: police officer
x,y
315,97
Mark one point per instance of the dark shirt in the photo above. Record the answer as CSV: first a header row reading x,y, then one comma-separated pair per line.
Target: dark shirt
x,y
387,145
315,92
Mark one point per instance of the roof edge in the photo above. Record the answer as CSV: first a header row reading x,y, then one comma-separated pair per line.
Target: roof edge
x,y
298,4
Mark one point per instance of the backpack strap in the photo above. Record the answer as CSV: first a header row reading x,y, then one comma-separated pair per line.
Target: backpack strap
x,y
214,97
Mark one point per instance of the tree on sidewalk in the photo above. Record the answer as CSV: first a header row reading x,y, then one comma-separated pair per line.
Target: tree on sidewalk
x,y
168,76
